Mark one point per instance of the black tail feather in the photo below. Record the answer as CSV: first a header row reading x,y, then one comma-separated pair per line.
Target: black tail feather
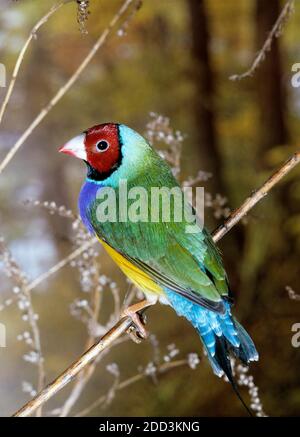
x,y
222,358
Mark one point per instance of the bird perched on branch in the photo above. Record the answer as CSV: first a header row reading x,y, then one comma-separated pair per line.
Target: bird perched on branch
x,y
169,264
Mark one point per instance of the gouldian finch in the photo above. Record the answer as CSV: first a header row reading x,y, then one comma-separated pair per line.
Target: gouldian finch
x,y
170,265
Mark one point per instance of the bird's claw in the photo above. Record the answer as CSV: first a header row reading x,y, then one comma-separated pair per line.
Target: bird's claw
x,y
136,331
134,334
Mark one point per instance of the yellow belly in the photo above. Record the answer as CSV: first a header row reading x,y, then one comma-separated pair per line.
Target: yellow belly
x,y
135,274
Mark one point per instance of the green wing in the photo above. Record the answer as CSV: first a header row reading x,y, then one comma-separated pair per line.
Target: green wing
x,y
187,263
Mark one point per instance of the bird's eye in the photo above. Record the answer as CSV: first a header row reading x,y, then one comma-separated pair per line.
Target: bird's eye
x,y
102,145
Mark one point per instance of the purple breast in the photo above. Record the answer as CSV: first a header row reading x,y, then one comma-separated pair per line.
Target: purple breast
x,y
87,197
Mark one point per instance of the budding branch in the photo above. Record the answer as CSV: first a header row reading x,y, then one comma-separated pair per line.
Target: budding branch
x,y
122,326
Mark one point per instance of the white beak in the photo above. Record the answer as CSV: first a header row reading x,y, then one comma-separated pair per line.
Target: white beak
x,y
75,147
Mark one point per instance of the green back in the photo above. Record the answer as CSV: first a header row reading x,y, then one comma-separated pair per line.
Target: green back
x,y
173,256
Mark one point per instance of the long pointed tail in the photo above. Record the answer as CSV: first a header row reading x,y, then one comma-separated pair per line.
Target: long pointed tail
x,y
221,335
223,361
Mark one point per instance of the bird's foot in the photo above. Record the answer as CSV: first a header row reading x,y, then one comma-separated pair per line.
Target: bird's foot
x,y
137,331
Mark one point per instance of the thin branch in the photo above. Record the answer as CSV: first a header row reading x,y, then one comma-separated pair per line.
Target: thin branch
x,y
78,388
20,281
132,380
84,377
87,373
58,266
20,58
63,90
292,294
121,327
67,376
275,32
38,346
255,197
62,263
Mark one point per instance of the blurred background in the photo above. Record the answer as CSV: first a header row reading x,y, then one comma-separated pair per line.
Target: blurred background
x,y
173,57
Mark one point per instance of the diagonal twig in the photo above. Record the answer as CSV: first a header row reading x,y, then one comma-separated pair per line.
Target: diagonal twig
x,y
62,263
75,368
255,197
87,373
120,328
20,281
274,33
165,367
63,90
22,53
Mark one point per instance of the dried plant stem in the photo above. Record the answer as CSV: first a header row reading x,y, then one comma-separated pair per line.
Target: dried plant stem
x,y
255,197
62,263
20,58
63,90
68,375
86,374
20,281
37,343
116,331
81,382
274,33
132,380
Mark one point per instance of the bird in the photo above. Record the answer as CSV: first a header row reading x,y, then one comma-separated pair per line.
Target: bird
x,y
168,264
